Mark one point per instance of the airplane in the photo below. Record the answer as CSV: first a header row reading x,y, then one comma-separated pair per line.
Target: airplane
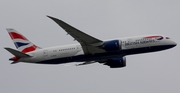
x,y
89,50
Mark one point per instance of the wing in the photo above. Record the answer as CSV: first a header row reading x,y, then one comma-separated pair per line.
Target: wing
x,y
112,62
87,42
86,63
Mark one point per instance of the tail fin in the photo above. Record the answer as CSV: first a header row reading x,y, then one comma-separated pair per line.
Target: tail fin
x,y
21,42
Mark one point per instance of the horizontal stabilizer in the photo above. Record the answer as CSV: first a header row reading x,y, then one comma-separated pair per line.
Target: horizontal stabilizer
x,y
16,53
14,62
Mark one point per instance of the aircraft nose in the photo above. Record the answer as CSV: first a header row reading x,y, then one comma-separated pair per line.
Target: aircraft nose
x,y
173,43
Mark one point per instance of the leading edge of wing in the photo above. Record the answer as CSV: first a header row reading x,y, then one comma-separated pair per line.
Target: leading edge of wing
x,y
75,33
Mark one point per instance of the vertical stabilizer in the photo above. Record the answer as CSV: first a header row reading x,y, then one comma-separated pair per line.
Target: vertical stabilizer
x,y
21,42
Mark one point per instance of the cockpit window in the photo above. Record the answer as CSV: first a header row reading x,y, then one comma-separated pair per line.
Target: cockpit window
x,y
167,38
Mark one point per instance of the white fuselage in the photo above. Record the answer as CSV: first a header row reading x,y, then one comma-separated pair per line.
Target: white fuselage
x,y
70,53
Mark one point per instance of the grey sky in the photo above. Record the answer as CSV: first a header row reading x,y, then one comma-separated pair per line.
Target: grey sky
x,y
104,19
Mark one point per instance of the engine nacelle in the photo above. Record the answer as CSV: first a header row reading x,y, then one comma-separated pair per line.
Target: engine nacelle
x,y
113,45
116,62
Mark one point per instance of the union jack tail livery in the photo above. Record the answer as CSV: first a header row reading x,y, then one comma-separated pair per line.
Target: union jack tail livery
x,y
21,42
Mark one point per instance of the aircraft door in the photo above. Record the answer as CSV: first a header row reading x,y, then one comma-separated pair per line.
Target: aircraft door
x,y
45,54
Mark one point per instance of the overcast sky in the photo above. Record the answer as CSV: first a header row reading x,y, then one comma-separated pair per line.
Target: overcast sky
x,y
104,19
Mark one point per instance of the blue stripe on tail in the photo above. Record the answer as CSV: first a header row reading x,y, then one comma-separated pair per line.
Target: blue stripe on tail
x,y
19,44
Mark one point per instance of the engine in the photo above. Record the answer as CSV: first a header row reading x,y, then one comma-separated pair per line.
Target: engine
x,y
113,45
116,62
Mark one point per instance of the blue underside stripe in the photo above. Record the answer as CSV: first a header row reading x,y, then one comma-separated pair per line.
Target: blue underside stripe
x,y
108,55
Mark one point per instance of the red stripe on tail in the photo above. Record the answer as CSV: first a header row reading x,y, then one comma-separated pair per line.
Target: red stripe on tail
x,y
29,49
15,35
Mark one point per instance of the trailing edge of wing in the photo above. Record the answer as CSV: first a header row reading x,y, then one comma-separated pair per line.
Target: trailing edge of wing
x,y
16,53
84,39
